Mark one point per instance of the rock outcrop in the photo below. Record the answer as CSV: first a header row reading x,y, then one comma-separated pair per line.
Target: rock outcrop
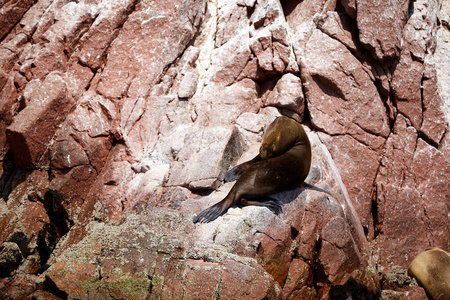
x,y
119,122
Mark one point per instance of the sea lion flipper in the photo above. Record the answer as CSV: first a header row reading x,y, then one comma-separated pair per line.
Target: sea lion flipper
x,y
237,171
210,214
272,204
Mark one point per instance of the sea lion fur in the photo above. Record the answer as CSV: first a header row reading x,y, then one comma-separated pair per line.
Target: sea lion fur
x,y
282,164
431,268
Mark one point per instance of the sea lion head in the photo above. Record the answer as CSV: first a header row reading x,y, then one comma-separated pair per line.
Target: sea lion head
x,y
266,151
271,146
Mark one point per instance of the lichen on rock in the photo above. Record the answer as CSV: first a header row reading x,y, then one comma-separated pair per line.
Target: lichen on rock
x,y
119,122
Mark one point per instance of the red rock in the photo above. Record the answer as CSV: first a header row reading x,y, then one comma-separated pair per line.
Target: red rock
x,y
44,295
12,11
202,280
380,26
47,59
95,43
47,110
406,84
22,286
434,123
66,153
299,281
415,293
429,167
274,255
338,26
25,205
31,19
69,189
7,106
252,283
407,162
331,93
10,258
81,77
359,166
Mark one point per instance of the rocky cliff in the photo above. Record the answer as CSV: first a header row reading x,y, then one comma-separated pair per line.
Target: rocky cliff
x,y
120,119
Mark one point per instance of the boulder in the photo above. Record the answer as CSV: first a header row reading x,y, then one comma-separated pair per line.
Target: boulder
x,y
48,108
119,122
380,26
205,157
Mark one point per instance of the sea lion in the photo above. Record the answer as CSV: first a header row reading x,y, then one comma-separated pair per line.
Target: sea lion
x,y
431,268
282,164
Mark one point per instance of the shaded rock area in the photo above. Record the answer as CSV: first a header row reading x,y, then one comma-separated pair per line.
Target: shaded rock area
x,y
120,120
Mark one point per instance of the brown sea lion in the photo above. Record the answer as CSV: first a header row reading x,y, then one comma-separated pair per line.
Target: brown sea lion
x,y
282,164
431,268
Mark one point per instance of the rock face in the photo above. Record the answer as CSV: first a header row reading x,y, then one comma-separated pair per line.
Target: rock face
x,y
119,123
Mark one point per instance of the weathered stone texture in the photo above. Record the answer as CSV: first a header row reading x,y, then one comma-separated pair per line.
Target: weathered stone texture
x,y
120,119
389,18
33,128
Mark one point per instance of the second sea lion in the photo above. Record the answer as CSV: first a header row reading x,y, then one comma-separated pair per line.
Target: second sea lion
x,y
431,268
282,164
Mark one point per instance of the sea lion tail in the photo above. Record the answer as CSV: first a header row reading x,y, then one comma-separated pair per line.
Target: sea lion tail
x,y
210,214
315,188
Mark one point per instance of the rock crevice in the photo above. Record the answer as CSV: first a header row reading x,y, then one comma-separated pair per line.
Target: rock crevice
x,y
119,122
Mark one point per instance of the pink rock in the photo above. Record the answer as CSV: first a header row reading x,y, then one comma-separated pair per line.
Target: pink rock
x,y
205,158
255,284
419,30
125,70
47,110
72,20
232,19
235,99
287,93
269,40
299,17
350,7
188,85
119,133
429,167
229,60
